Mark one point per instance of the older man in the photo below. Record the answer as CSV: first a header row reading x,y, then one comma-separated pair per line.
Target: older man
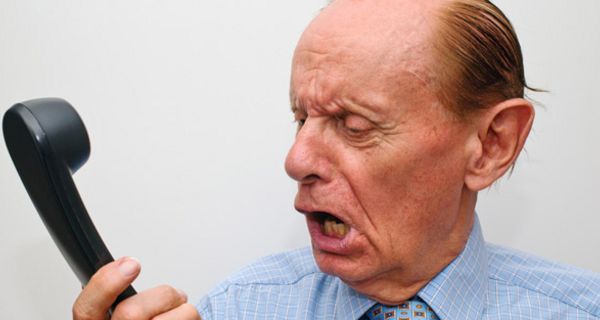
x,y
405,110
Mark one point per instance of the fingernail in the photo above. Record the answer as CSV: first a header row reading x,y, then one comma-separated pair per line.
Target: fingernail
x,y
129,266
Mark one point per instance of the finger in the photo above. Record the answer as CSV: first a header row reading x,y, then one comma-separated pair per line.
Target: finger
x,y
150,303
185,311
104,287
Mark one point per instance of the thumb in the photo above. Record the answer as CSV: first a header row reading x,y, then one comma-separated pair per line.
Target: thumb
x,y
104,287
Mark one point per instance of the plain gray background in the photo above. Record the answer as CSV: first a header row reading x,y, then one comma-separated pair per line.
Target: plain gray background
x,y
186,105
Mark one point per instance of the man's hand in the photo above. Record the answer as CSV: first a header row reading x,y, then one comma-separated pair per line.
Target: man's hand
x,y
160,303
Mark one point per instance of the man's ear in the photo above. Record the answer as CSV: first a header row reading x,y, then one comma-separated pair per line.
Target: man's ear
x,y
501,134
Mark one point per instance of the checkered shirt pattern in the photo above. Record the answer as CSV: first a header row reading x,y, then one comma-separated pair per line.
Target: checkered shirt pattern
x,y
483,282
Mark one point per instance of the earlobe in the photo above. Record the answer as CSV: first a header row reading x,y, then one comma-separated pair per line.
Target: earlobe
x,y
502,131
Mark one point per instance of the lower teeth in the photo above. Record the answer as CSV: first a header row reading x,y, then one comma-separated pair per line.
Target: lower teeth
x,y
334,229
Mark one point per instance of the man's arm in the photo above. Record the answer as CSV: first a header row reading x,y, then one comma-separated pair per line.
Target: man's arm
x,y
160,303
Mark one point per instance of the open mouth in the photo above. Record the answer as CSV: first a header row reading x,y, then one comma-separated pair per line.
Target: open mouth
x,y
331,226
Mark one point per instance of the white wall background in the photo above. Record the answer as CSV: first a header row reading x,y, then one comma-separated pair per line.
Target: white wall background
x,y
186,105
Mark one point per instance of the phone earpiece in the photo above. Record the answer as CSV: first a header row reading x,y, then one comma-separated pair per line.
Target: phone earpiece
x,y
64,129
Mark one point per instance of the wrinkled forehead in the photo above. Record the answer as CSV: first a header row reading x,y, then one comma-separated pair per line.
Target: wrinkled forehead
x,y
366,40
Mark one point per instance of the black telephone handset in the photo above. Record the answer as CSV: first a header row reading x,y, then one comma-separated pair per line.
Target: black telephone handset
x,y
48,142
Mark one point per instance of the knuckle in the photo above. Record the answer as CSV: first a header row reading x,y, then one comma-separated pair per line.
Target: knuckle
x,y
82,310
169,293
129,312
80,313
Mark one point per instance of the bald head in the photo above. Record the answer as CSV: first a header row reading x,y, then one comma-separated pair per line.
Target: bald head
x,y
385,29
382,39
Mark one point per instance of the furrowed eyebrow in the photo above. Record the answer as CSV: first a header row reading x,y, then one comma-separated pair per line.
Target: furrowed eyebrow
x,y
293,102
295,107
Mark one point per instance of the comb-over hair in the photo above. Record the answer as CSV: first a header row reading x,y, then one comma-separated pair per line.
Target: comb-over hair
x,y
477,56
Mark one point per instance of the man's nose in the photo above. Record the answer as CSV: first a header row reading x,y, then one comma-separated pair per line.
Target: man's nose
x,y
306,161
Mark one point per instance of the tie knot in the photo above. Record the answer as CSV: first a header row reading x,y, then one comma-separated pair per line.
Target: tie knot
x,y
414,308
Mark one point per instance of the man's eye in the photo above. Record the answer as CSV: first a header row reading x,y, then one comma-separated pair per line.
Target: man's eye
x,y
354,131
355,125
300,122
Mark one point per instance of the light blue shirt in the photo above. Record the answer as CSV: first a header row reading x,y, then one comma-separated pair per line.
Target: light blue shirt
x,y
483,282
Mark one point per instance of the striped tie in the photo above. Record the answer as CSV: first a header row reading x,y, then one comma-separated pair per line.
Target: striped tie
x,y
414,308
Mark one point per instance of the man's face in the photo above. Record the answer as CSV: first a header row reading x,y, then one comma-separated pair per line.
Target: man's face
x,y
379,162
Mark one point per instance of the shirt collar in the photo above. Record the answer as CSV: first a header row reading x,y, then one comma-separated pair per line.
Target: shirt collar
x,y
460,290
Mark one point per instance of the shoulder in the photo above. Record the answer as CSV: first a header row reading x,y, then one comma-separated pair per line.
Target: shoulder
x,y
539,281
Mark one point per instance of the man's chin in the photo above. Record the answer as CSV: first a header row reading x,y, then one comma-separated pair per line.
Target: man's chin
x,y
341,266
363,280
